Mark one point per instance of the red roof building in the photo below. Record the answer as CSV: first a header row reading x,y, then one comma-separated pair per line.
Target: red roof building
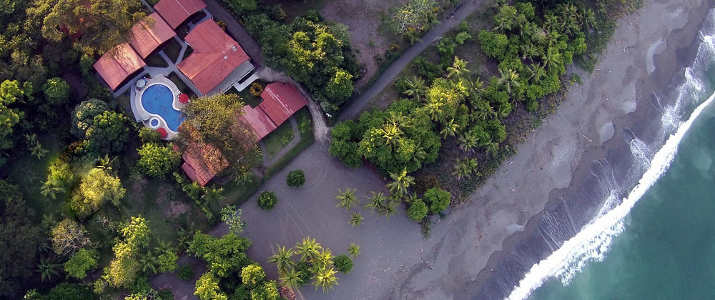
x,y
281,100
258,121
176,12
215,56
147,35
202,163
118,64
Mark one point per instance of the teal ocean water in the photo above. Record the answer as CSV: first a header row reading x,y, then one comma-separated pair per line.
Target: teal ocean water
x,y
657,242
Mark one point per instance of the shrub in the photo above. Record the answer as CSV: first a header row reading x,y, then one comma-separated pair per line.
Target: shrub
x,y
256,89
438,199
343,263
252,275
267,200
296,178
184,272
417,211
156,160
148,135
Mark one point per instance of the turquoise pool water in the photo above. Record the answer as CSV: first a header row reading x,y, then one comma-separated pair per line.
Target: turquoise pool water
x,y
158,99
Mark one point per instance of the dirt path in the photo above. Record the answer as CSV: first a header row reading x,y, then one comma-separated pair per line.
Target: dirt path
x,y
386,78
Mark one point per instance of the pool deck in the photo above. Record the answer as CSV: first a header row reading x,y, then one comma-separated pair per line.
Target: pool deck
x,y
142,115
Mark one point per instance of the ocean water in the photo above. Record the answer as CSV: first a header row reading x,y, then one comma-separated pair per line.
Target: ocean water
x,y
657,242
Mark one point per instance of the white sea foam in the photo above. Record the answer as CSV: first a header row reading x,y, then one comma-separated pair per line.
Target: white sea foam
x,y
594,239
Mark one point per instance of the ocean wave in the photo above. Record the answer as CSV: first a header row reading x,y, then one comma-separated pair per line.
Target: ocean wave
x,y
593,241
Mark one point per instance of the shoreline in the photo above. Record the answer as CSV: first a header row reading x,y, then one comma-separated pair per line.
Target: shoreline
x,y
670,43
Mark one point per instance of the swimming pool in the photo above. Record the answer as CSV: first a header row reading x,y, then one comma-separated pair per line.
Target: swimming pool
x,y
159,100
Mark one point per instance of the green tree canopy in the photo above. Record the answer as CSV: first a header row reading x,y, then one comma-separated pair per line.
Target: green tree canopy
x,y
438,199
156,160
56,90
213,120
68,236
19,239
96,25
81,262
96,188
108,133
83,115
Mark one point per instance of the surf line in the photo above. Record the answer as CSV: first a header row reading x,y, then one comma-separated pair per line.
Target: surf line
x,y
595,237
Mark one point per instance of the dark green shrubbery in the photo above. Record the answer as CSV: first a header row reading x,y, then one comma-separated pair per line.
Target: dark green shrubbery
x,y
417,211
343,263
295,178
267,200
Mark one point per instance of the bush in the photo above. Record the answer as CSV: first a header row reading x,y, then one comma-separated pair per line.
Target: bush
x,y
438,199
343,263
56,90
267,200
417,211
148,135
296,178
156,160
184,272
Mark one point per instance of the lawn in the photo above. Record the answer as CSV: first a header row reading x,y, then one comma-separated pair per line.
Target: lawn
x,y
278,139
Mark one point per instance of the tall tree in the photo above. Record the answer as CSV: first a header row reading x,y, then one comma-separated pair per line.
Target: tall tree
x,y
214,120
94,25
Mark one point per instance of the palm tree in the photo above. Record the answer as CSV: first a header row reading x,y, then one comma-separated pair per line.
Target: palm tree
x,y
449,129
465,168
458,68
401,182
290,278
48,269
354,250
537,72
381,204
509,78
346,199
308,249
356,219
325,258
416,88
325,278
467,142
283,258
552,58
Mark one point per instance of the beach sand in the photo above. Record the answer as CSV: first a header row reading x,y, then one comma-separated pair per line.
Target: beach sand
x,y
488,245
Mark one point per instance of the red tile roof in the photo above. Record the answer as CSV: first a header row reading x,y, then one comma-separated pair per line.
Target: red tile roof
x,y
147,35
281,100
258,121
176,12
117,64
202,162
215,56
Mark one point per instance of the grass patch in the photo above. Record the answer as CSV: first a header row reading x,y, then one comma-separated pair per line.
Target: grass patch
x,y
172,49
29,173
237,194
155,60
278,139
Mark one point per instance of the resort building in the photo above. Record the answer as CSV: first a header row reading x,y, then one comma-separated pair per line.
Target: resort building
x,y
215,57
202,163
215,64
149,34
175,12
119,64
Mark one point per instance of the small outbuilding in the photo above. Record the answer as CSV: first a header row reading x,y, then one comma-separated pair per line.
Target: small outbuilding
x,y
281,100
